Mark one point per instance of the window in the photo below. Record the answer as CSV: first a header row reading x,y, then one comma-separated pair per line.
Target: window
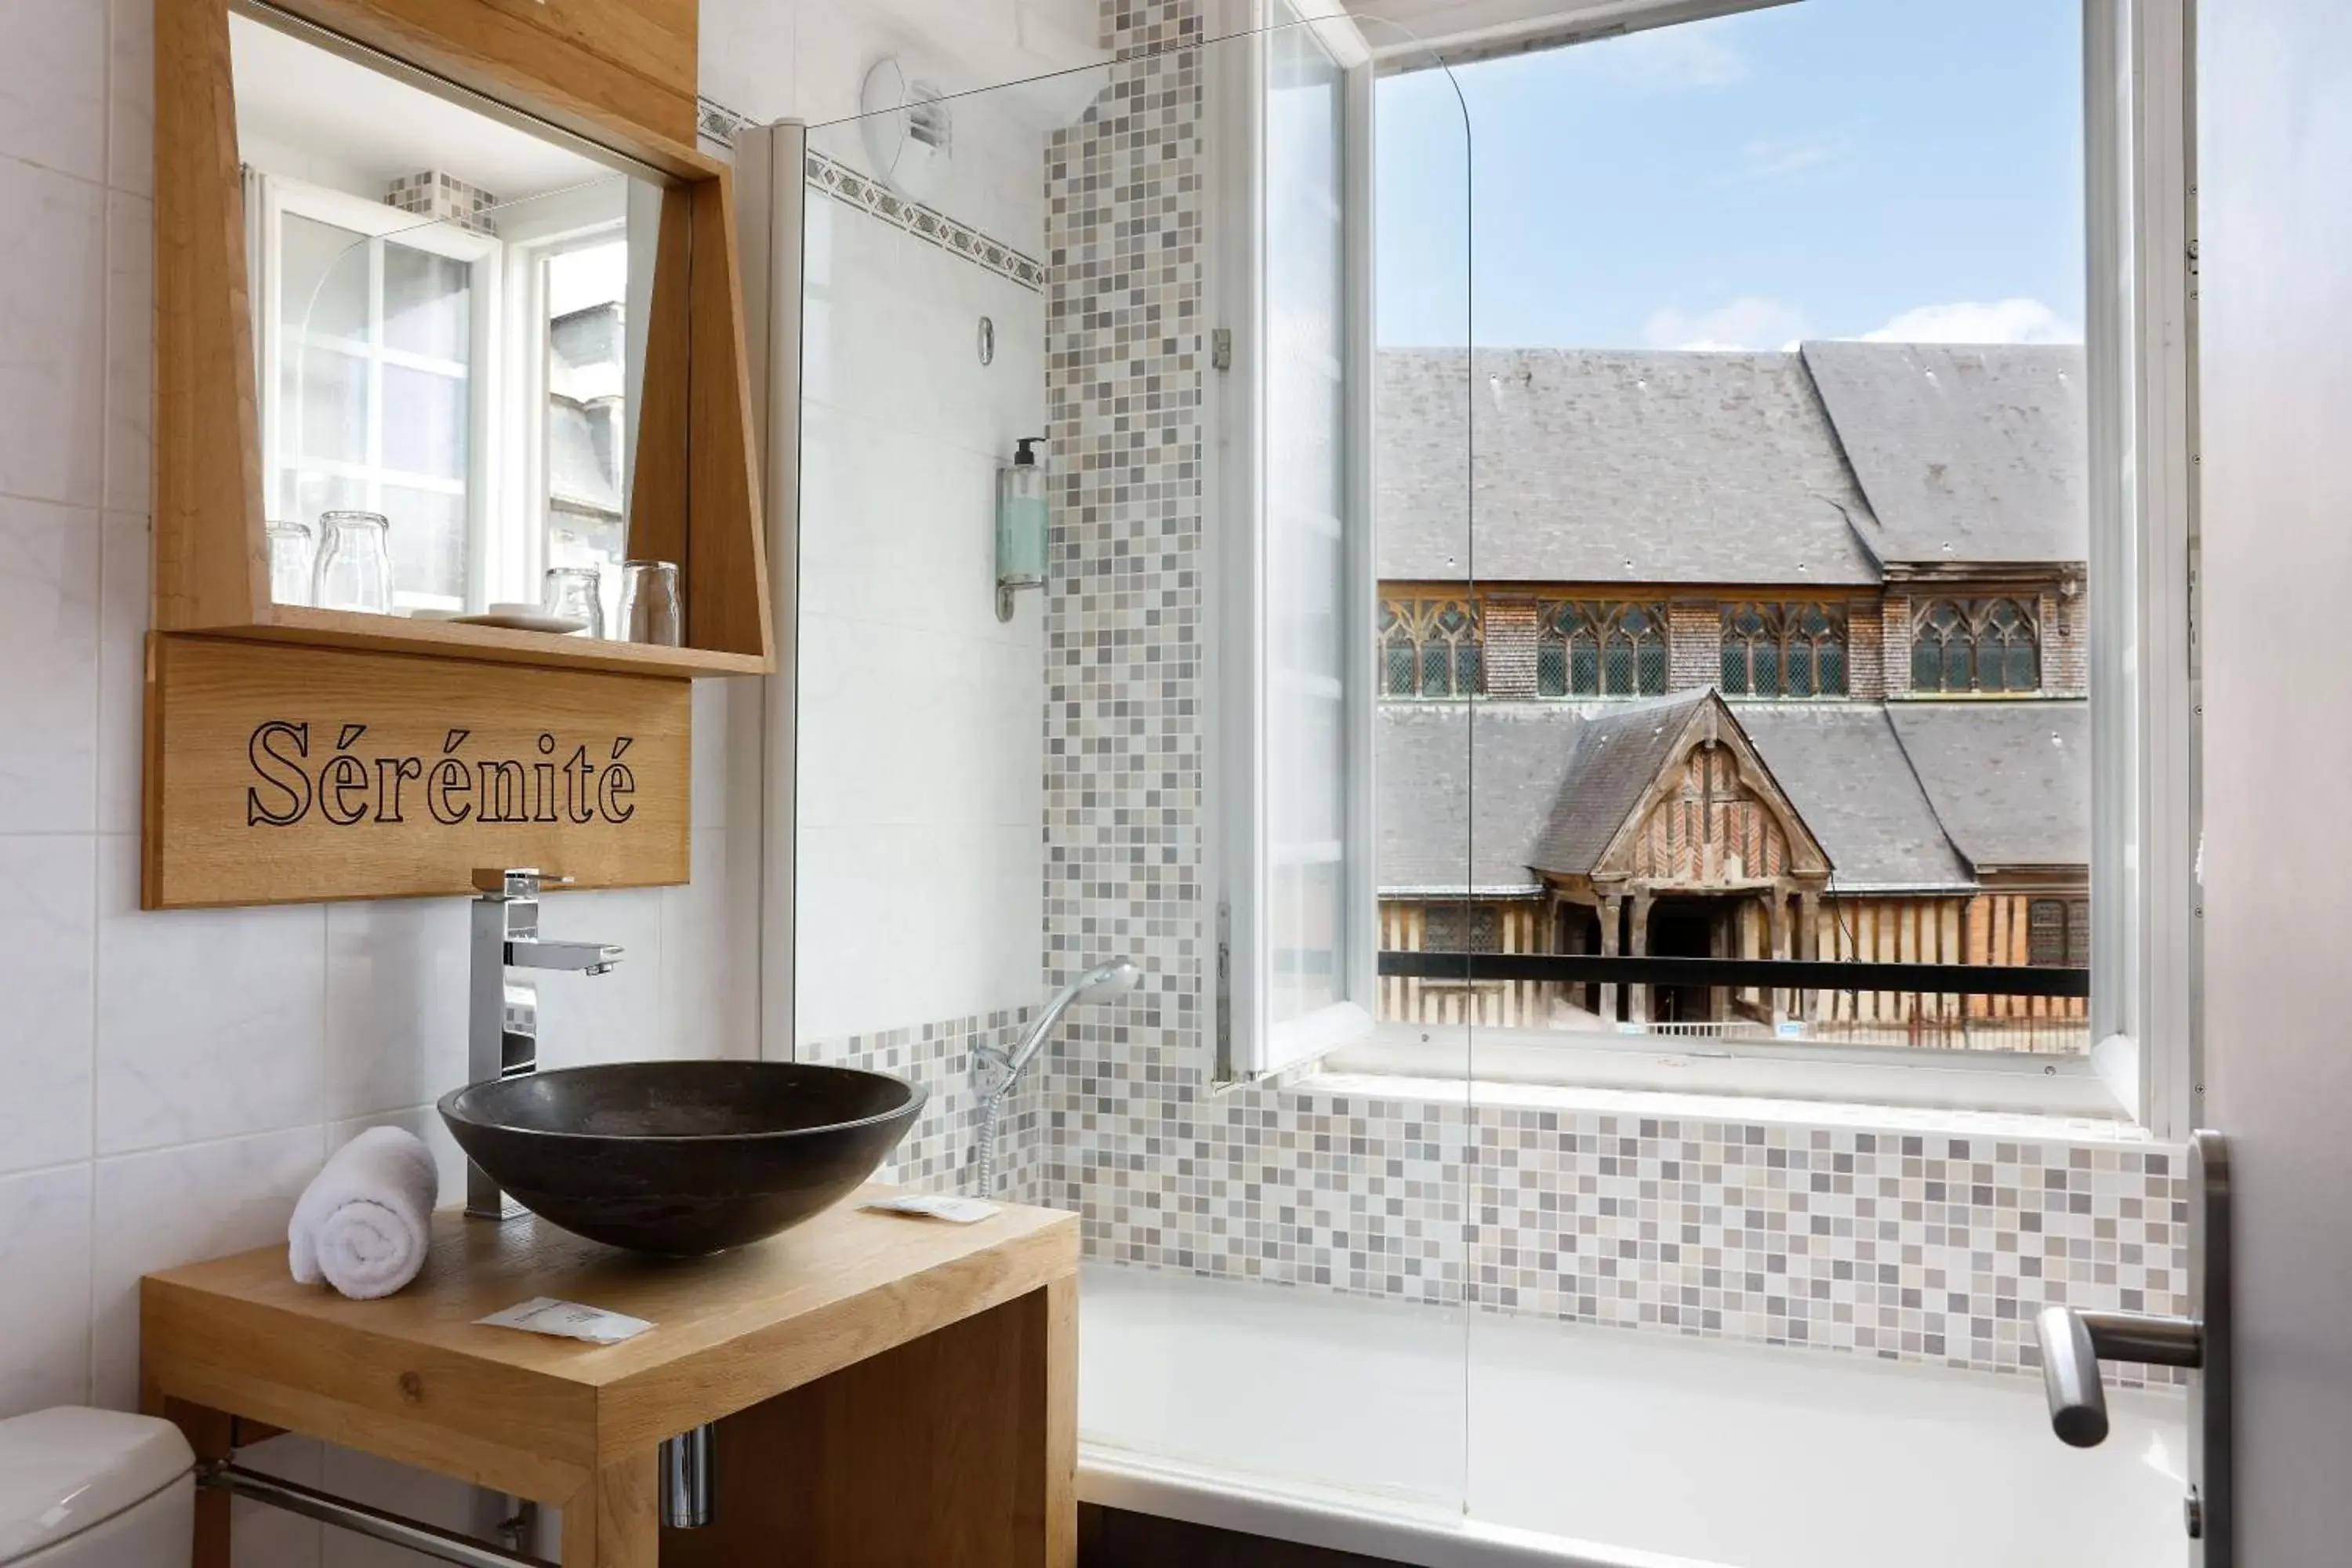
x,y
1461,928
375,336
1298,601
2058,933
1431,648
1588,650
1630,429
404,353
1784,650
1977,645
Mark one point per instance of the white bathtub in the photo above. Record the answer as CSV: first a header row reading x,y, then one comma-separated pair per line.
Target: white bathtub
x,y
1400,1432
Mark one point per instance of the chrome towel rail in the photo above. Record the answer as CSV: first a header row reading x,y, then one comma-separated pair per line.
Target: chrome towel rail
x,y
220,1475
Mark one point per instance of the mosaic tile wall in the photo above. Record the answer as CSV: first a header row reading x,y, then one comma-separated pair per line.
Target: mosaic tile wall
x,y
937,1154
1883,1240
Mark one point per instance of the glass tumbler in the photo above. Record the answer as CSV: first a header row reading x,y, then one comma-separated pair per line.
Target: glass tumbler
x,y
354,570
575,593
289,563
649,604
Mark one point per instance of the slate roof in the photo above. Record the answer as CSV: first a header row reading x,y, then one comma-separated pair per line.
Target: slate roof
x,y
1843,767
1967,454
1915,797
2010,782
1426,766
1824,466
1618,754
1607,465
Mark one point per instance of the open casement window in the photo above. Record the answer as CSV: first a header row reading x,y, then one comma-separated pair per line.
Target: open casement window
x,y
375,332
1721,906
1297,613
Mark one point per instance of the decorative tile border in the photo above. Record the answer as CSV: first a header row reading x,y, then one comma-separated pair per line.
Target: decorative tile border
x,y
844,184
716,122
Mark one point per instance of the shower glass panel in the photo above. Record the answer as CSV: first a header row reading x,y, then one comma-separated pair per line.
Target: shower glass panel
x,y
1173,265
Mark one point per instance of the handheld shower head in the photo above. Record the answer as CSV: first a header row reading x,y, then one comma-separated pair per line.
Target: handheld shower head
x,y
1101,984
1106,981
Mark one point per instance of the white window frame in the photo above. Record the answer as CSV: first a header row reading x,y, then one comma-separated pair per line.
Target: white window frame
x,y
275,197
2146,907
1250,1043
533,231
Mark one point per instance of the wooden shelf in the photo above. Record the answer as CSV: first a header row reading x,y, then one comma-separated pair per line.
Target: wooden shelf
x,y
496,644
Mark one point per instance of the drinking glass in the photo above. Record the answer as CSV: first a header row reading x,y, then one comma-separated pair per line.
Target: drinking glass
x,y
649,606
354,570
291,563
574,593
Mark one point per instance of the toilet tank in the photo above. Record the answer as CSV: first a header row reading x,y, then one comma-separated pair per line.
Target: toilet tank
x,y
94,1489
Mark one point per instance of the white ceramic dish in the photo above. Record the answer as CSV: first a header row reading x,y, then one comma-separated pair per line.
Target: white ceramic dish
x,y
521,618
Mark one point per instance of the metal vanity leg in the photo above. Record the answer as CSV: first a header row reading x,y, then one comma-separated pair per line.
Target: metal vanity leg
x,y
686,1478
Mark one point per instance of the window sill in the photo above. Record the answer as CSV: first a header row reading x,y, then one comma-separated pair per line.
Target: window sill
x,y
1980,1094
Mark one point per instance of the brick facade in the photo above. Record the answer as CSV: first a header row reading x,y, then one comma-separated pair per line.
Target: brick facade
x,y
1894,645
2065,623
1865,652
1511,634
1693,643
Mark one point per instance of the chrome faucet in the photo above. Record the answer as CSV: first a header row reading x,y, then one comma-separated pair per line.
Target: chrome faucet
x,y
502,1007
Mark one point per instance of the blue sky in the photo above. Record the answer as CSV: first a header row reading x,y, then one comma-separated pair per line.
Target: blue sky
x,y
1829,168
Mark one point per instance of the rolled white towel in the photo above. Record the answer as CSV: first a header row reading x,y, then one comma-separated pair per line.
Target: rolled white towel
x,y
363,1223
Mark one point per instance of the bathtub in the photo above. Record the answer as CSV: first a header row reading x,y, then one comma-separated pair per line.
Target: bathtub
x,y
1405,1432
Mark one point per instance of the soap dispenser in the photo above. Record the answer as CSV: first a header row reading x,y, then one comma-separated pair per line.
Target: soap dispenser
x,y
1020,525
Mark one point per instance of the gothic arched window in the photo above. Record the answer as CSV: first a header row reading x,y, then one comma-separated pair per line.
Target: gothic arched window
x,y
1784,651
1430,648
1585,648
1975,644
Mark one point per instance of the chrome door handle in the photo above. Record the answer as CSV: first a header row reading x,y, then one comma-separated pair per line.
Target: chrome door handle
x,y
2073,1344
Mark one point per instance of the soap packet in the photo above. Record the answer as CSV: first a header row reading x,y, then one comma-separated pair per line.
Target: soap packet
x,y
936,1205
567,1320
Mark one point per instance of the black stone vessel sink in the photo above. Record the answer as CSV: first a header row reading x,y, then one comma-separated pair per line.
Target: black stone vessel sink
x,y
682,1157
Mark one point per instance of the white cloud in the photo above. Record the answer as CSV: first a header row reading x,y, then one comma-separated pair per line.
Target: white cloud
x,y
1972,321
1777,159
1750,321
1681,58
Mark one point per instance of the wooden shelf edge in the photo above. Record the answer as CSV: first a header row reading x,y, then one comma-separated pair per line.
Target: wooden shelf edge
x,y
493,644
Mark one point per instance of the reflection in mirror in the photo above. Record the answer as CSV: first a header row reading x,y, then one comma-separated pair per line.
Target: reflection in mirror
x,y
450,319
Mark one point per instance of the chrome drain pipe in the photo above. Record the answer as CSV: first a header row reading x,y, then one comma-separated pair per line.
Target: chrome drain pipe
x,y
686,1478
447,1545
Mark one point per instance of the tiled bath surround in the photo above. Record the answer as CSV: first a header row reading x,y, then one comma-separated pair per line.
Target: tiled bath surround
x,y
1896,1237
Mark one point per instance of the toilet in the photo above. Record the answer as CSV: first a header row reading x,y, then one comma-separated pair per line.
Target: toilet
x,y
95,1489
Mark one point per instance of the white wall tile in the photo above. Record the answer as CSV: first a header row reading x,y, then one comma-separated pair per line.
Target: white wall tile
x,y
45,1235
747,55
131,95
209,1020
52,314
181,1205
48,648
48,936
125,547
396,1004
129,352
981,896
53,86
710,970
902,726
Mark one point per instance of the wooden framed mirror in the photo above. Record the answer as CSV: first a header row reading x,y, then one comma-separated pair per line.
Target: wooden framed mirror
x,y
402,274
458,268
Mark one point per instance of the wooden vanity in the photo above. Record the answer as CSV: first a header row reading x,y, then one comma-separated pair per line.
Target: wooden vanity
x,y
889,1392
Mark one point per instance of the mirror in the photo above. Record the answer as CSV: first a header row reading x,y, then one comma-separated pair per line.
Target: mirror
x,y
451,315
